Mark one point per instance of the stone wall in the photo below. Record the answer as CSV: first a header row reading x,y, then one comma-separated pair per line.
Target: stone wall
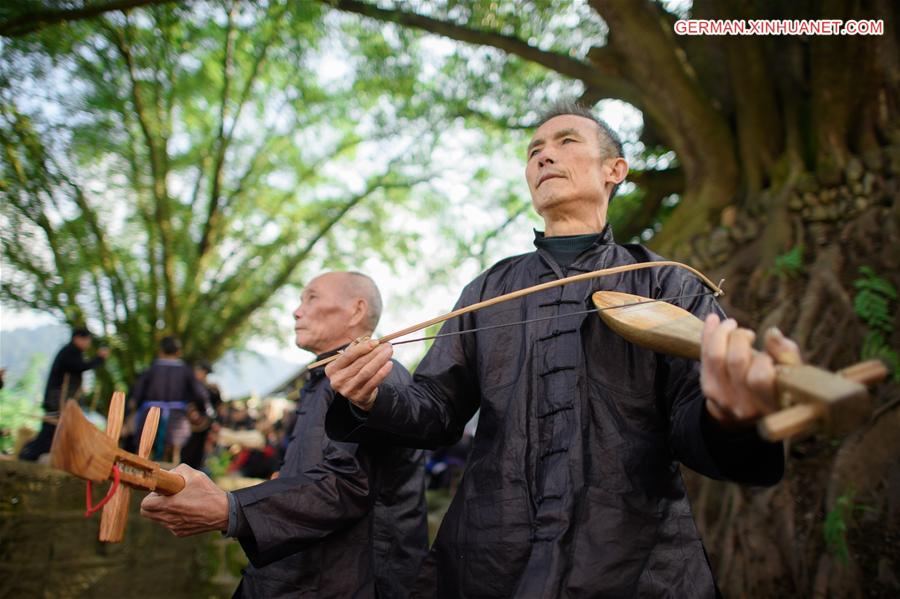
x,y
49,549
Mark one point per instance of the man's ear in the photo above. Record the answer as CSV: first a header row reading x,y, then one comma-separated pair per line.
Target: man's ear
x,y
618,171
360,312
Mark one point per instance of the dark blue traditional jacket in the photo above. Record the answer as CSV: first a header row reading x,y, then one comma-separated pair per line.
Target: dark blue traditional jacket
x,y
572,487
341,520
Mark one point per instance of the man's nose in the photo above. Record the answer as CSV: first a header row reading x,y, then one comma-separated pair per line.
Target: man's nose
x,y
544,159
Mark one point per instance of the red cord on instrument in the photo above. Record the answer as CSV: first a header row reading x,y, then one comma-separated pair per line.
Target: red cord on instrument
x,y
92,509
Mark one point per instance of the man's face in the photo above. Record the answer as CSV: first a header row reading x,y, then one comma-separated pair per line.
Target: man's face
x,y
566,163
321,321
81,343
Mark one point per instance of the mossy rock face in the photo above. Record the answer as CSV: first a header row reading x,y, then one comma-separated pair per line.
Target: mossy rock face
x,y
49,549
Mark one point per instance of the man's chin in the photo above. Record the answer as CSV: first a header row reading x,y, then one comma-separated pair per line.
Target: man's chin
x,y
300,341
549,203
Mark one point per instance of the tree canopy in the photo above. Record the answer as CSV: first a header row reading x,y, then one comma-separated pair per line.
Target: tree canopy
x,y
168,171
140,192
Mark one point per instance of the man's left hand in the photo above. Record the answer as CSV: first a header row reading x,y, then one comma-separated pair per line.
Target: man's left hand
x,y
200,507
739,383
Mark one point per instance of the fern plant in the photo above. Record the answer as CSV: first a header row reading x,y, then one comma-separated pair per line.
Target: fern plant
x,y
837,523
875,304
788,264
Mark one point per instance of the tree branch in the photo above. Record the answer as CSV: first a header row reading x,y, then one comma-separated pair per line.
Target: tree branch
x,y
611,87
481,253
34,20
656,185
221,142
214,219
233,320
642,37
160,191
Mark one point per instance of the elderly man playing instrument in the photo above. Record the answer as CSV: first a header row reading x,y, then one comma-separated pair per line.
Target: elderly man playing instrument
x,y
572,487
341,519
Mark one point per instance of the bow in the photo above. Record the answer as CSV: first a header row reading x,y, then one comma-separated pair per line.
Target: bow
x,y
809,396
603,272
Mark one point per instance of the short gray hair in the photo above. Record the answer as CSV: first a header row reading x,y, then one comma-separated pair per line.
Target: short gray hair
x,y
363,286
610,142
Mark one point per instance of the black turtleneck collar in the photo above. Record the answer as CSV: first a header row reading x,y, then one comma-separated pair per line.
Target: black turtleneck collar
x,y
565,249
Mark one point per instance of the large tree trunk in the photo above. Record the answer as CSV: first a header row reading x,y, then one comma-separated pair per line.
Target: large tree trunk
x,y
772,543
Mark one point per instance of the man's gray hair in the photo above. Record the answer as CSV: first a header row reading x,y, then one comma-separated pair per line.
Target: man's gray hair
x,y
363,286
610,142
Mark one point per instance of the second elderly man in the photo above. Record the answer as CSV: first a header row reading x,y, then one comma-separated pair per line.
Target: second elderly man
x,y
341,520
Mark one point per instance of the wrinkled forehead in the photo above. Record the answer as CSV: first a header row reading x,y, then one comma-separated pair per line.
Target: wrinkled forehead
x,y
564,122
330,282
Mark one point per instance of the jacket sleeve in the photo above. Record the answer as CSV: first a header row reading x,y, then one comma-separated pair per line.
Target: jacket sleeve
x,y
197,391
427,413
279,517
73,361
139,391
698,440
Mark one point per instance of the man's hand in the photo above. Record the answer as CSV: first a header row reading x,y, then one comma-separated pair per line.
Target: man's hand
x,y
103,352
739,384
357,373
200,507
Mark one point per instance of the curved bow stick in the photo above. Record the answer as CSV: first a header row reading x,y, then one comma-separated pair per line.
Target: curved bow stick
x,y
836,402
603,272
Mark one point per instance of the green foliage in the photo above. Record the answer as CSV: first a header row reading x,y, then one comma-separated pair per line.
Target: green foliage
x,y
167,170
789,264
837,523
20,404
235,559
217,464
873,300
875,303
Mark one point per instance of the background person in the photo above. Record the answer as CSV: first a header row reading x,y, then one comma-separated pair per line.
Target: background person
x,y
170,385
63,383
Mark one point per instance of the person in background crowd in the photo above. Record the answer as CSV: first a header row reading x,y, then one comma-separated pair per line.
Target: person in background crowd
x,y
63,383
194,451
171,386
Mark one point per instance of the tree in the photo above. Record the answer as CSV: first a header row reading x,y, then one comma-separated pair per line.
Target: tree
x,y
784,181
771,161
167,171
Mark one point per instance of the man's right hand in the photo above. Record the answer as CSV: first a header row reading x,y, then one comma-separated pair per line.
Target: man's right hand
x,y
200,507
103,352
357,373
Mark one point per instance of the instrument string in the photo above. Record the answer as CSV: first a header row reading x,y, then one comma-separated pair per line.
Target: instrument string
x,y
543,318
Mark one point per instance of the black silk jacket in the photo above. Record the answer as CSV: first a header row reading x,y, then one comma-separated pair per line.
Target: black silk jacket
x,y
341,520
572,488
66,371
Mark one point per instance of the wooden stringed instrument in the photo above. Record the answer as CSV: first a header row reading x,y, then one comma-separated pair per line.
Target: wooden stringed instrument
x,y
79,448
811,398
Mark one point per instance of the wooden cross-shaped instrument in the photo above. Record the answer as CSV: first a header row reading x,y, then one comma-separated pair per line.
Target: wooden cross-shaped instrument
x,y
79,448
